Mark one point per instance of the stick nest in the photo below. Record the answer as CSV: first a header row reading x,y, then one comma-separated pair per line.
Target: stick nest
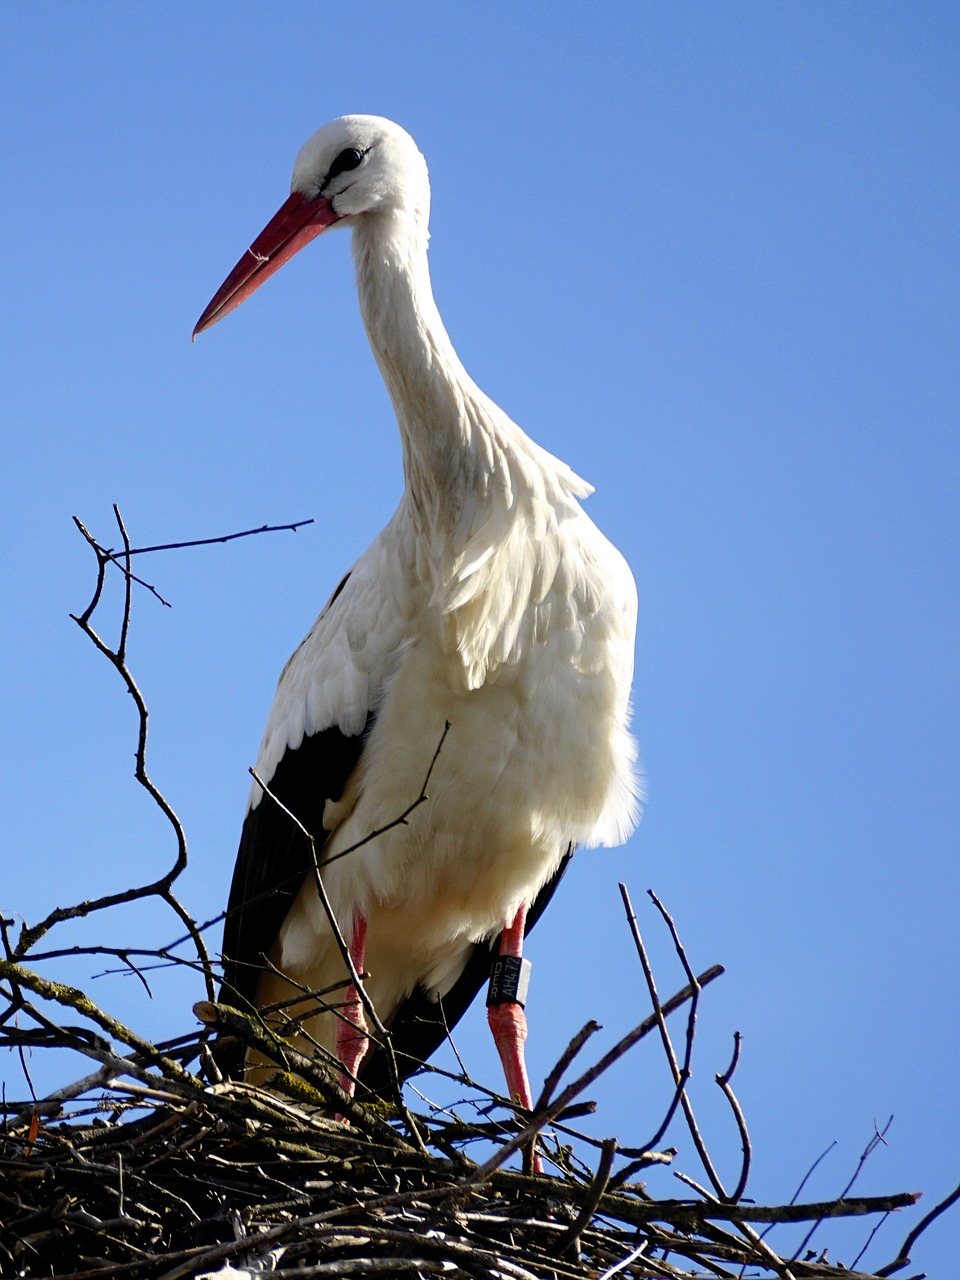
x,y
186,1178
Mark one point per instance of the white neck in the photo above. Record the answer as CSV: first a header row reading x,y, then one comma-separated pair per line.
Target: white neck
x,y
437,405
460,451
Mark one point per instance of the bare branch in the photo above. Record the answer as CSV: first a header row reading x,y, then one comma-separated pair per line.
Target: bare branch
x,y
723,1080
160,888
876,1139
903,1257
207,542
597,1187
72,998
401,820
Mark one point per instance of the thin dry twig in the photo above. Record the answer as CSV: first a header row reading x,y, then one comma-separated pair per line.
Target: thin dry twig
x,y
598,1186
681,1075
876,1138
162,887
207,542
723,1080
903,1255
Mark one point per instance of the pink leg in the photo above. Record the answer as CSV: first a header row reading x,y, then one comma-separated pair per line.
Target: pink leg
x,y
352,1038
508,1022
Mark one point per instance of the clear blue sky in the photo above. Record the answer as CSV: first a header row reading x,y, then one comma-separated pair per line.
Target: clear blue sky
x,y
707,254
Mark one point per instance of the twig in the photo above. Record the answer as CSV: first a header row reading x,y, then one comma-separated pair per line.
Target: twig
x,y
594,1195
903,1257
121,655
73,998
161,888
52,1104
624,1262
868,1242
876,1139
400,821
355,978
805,1179
103,559
206,542
564,1061
723,1080
680,1074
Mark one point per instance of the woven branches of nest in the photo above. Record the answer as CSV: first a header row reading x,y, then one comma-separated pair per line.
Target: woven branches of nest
x,y
153,1166
184,1174
181,1177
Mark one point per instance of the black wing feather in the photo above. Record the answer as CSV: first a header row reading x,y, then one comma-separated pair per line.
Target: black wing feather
x,y
274,858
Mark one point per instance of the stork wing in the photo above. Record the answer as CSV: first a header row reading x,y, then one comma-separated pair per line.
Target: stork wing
x,y
274,857
325,703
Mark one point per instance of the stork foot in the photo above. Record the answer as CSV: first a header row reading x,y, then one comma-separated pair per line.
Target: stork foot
x,y
352,1039
508,1022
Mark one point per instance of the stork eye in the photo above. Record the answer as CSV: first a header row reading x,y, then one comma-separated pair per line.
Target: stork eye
x,y
347,159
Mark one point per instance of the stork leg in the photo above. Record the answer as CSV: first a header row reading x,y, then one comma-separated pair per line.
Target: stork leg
x,y
352,1037
506,1017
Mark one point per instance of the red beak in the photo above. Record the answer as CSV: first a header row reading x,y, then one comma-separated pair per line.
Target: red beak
x,y
295,224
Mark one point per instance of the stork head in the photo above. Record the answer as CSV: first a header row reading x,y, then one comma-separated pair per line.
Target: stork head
x,y
353,167
362,164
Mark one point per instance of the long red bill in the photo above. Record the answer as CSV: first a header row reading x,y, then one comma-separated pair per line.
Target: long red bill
x,y
295,224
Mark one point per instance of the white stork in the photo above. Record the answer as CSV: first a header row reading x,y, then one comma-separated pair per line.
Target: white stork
x,y
489,603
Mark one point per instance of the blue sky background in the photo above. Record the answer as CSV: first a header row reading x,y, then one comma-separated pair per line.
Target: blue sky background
x,y
705,253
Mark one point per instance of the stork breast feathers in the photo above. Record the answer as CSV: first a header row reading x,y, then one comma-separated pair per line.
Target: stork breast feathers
x,y
495,588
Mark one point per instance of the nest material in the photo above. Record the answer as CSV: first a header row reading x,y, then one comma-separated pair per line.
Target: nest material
x,y
186,1178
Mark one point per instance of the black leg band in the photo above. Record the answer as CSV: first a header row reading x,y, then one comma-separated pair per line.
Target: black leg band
x,y
509,981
